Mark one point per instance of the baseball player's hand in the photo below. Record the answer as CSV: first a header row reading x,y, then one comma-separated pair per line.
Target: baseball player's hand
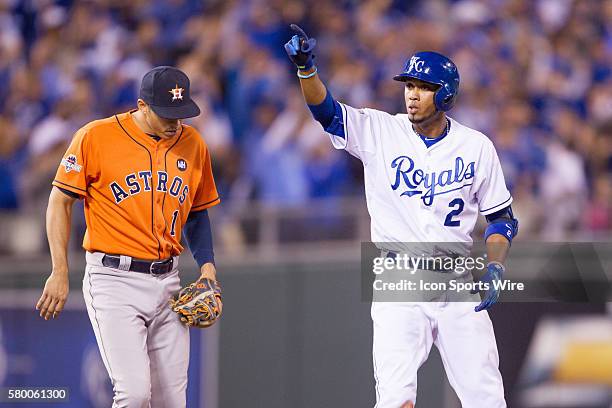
x,y
199,304
407,404
299,48
54,296
495,272
209,271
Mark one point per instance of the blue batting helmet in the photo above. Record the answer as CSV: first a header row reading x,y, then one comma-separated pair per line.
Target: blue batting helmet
x,y
437,69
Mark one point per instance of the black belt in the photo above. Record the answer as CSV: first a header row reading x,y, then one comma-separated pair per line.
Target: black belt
x,y
152,267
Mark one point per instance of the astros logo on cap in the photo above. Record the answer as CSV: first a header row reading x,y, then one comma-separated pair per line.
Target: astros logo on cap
x,y
177,93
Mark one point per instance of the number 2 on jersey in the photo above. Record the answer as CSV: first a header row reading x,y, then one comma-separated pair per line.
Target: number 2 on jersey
x,y
449,222
175,216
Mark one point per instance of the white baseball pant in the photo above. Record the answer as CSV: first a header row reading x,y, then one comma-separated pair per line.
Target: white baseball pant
x,y
403,335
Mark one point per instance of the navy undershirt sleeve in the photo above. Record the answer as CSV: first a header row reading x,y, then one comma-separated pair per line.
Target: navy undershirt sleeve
x,y
503,214
198,235
69,193
329,114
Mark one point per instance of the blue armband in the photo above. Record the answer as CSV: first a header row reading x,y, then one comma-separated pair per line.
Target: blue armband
x,y
502,222
329,114
198,235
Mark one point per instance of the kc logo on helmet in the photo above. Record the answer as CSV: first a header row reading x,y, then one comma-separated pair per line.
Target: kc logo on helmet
x,y
415,63
70,164
177,93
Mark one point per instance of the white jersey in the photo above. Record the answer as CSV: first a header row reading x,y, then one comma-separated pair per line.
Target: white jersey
x,y
420,194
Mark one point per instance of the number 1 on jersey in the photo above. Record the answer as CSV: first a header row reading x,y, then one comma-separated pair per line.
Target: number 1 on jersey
x,y
174,217
449,222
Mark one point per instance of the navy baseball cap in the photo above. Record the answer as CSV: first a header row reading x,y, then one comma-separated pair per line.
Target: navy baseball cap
x,y
166,90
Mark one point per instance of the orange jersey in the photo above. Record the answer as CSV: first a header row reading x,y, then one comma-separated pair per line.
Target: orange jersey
x,y
138,192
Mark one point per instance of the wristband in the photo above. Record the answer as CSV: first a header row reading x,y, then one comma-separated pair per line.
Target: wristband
x,y
308,75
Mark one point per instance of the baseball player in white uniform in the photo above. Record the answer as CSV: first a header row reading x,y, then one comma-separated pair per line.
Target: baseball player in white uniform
x,y
427,177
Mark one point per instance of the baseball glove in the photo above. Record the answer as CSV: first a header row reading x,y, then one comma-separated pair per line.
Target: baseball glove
x,y
199,304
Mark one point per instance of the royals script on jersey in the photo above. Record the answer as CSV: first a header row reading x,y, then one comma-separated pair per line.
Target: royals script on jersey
x,y
138,192
420,194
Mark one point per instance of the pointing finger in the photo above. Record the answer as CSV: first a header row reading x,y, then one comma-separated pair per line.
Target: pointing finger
x,y
299,30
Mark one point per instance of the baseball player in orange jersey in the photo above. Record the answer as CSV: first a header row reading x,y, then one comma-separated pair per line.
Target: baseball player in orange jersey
x,y
145,177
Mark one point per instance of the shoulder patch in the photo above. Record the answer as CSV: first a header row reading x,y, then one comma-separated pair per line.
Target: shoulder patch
x,y
181,164
70,164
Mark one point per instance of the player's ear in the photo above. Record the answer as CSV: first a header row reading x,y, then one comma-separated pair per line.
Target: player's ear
x,y
142,106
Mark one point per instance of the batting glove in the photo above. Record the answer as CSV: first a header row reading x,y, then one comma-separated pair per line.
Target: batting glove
x,y
495,272
299,48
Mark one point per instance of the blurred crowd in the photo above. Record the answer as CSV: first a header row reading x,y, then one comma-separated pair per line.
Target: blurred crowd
x,y
535,77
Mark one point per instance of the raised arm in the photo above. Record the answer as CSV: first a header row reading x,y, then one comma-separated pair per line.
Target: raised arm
x,y
324,108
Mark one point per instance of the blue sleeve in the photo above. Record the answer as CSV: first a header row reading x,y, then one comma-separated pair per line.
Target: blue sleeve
x,y
502,222
198,235
329,114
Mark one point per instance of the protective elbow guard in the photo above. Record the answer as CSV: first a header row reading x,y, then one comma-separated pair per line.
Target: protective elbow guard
x,y
504,223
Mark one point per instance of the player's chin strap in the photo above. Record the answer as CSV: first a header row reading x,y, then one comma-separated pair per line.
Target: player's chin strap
x,y
502,222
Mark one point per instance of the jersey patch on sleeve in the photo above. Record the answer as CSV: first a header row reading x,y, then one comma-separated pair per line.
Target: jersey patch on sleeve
x,y
70,164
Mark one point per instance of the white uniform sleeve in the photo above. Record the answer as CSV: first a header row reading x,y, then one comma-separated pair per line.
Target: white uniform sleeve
x,y
492,193
359,138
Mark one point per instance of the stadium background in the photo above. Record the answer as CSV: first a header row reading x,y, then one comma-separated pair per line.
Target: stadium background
x,y
536,78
